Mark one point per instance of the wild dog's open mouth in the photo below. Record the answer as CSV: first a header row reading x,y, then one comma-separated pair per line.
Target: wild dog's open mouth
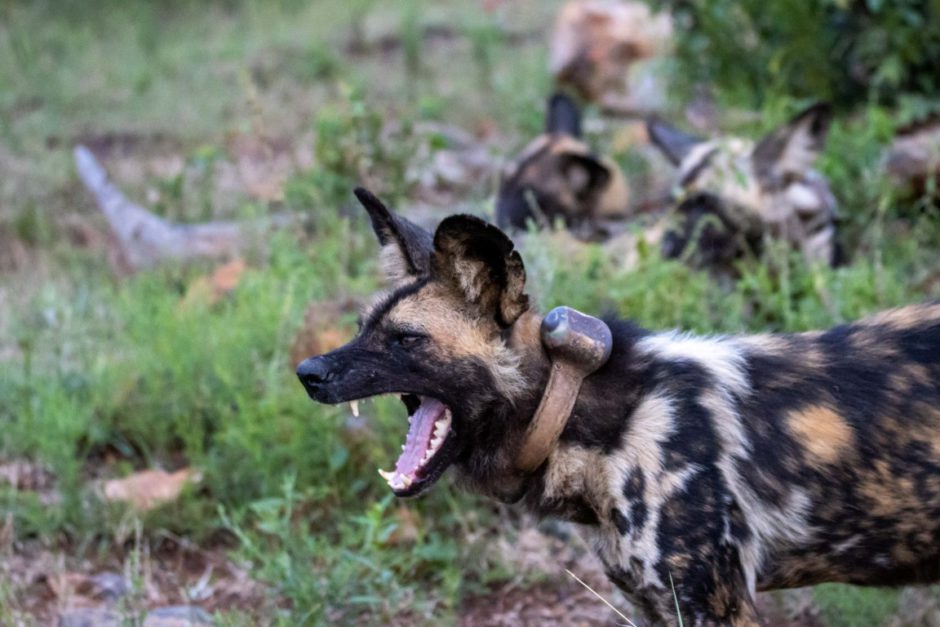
x,y
428,449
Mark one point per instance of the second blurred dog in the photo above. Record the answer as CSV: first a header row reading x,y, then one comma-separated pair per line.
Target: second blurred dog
x,y
557,176
732,193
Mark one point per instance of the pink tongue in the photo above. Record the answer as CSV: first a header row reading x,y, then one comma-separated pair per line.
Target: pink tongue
x,y
419,436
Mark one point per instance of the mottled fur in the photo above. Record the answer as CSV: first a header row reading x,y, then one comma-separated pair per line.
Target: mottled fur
x,y
557,176
735,193
713,466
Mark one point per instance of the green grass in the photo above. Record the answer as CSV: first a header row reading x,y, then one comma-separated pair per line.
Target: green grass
x,y
108,376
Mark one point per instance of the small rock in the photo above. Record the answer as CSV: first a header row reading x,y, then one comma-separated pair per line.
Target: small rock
x,y
89,617
177,616
109,586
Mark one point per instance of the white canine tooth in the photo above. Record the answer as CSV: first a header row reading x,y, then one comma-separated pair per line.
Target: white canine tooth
x,y
354,407
436,443
401,481
402,447
388,476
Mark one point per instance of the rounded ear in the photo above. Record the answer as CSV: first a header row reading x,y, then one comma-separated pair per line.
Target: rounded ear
x,y
563,116
481,264
406,247
793,147
584,173
672,142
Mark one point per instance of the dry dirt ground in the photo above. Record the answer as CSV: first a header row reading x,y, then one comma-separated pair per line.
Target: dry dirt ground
x,y
170,581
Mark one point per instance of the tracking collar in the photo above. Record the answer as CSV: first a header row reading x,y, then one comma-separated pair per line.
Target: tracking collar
x,y
577,345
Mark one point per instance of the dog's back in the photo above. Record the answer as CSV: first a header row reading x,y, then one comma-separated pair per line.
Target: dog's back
x,y
845,433
828,444
800,458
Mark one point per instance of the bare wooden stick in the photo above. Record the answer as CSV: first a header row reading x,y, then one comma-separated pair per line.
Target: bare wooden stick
x,y
146,239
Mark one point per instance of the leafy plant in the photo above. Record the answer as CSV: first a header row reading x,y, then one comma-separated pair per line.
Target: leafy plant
x,y
846,51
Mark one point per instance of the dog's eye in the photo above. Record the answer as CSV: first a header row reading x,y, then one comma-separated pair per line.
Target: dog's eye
x,y
408,340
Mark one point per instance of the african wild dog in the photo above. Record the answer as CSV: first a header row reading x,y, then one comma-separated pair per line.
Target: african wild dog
x,y
557,176
718,466
734,192
607,52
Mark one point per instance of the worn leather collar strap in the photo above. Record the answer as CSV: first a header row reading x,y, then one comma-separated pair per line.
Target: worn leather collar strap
x,y
577,345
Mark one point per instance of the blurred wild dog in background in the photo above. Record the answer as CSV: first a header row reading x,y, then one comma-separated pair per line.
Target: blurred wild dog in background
x,y
606,51
557,176
702,469
732,193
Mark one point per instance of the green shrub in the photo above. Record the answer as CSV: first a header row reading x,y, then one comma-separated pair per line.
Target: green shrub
x,y
845,51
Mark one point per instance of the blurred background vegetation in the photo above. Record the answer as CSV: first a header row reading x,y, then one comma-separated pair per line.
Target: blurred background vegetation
x,y
103,374
848,52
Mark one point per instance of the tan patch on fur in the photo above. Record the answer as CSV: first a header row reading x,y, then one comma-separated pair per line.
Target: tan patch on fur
x,y
926,428
766,343
823,433
435,311
907,376
909,317
573,470
527,335
545,175
883,492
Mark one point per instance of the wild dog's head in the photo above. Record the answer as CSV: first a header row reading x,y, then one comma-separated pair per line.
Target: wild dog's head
x,y
733,192
454,337
557,176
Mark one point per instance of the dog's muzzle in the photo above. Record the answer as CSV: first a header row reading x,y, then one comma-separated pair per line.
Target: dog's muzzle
x,y
315,374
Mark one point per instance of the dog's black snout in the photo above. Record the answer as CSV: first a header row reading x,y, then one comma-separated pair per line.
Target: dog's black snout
x,y
314,372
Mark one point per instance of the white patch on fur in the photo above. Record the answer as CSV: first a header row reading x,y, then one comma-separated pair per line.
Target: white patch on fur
x,y
650,426
845,545
724,360
720,356
393,264
467,275
800,151
507,372
802,197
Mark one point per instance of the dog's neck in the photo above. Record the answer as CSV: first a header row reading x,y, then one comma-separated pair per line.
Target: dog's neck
x,y
559,373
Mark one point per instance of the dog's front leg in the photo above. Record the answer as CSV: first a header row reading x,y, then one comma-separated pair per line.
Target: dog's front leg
x,y
702,585
707,587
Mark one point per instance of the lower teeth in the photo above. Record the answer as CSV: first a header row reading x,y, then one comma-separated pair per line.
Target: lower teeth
x,y
396,480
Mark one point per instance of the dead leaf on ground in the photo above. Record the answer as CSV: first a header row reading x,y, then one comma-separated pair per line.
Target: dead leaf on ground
x,y
214,287
148,489
407,528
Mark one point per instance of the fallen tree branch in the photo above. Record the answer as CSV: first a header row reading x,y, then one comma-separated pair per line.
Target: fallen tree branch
x,y
146,239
